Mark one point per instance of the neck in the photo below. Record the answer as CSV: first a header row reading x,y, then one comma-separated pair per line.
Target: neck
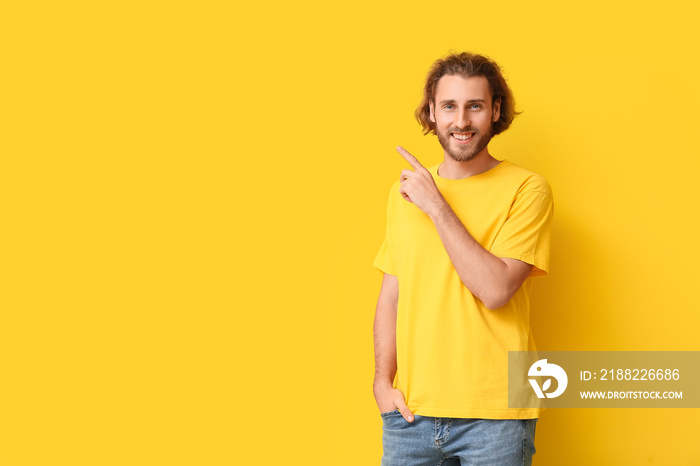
x,y
454,170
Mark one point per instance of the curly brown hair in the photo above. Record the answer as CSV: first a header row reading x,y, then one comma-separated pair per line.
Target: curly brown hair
x,y
468,64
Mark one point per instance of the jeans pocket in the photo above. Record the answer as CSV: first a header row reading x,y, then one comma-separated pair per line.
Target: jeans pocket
x,y
390,413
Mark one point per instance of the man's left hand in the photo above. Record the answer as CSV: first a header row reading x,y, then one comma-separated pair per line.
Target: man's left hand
x,y
419,186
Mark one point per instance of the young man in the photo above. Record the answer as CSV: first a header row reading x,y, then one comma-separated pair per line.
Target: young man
x,y
464,238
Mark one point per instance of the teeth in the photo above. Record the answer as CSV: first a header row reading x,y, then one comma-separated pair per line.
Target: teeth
x,y
462,137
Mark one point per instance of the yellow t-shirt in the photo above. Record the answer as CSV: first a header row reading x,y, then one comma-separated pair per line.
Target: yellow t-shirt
x,y
452,352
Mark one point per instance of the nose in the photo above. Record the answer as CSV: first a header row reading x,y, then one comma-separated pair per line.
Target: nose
x,y
463,118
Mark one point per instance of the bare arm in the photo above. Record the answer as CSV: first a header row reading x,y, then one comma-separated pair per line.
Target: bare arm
x,y
490,278
387,397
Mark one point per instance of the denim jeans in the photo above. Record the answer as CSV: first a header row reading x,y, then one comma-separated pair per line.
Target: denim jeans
x,y
444,441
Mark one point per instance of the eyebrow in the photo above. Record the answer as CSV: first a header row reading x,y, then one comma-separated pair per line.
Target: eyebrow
x,y
470,101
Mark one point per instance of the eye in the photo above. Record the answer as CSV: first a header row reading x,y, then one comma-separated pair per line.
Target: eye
x,y
448,107
476,106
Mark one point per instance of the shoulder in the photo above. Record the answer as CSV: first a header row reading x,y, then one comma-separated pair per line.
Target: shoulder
x,y
526,180
395,190
394,195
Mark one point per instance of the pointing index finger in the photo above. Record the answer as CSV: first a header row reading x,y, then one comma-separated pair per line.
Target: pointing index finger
x,y
410,158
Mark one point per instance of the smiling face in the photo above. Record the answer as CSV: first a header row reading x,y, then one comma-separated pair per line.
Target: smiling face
x,y
463,115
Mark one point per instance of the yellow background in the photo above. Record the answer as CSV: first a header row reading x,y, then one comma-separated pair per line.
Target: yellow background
x,y
193,194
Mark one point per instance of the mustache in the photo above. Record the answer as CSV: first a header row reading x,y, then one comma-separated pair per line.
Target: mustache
x,y
468,129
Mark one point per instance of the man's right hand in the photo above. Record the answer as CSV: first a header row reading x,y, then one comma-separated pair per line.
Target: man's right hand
x,y
389,399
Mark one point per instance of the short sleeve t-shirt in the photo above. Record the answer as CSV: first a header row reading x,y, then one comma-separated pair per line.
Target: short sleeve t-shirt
x,y
452,352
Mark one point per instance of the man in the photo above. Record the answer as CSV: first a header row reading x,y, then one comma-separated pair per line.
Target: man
x,y
464,238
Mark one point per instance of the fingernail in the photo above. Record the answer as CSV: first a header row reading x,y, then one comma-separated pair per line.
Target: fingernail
x,y
410,418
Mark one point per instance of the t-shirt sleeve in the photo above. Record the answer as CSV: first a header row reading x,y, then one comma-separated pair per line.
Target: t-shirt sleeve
x,y
384,260
526,233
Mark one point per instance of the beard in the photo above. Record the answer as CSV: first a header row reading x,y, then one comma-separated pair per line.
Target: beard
x,y
466,152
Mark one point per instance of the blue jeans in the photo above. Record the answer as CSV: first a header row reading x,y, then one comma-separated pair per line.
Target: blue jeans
x,y
444,441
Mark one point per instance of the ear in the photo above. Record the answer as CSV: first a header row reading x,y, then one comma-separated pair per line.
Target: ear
x,y
432,111
497,110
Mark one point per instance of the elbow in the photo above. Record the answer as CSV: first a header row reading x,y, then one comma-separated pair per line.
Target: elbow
x,y
495,304
500,289
497,300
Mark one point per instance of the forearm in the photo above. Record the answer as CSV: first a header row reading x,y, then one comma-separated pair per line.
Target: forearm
x,y
384,344
388,397
484,274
